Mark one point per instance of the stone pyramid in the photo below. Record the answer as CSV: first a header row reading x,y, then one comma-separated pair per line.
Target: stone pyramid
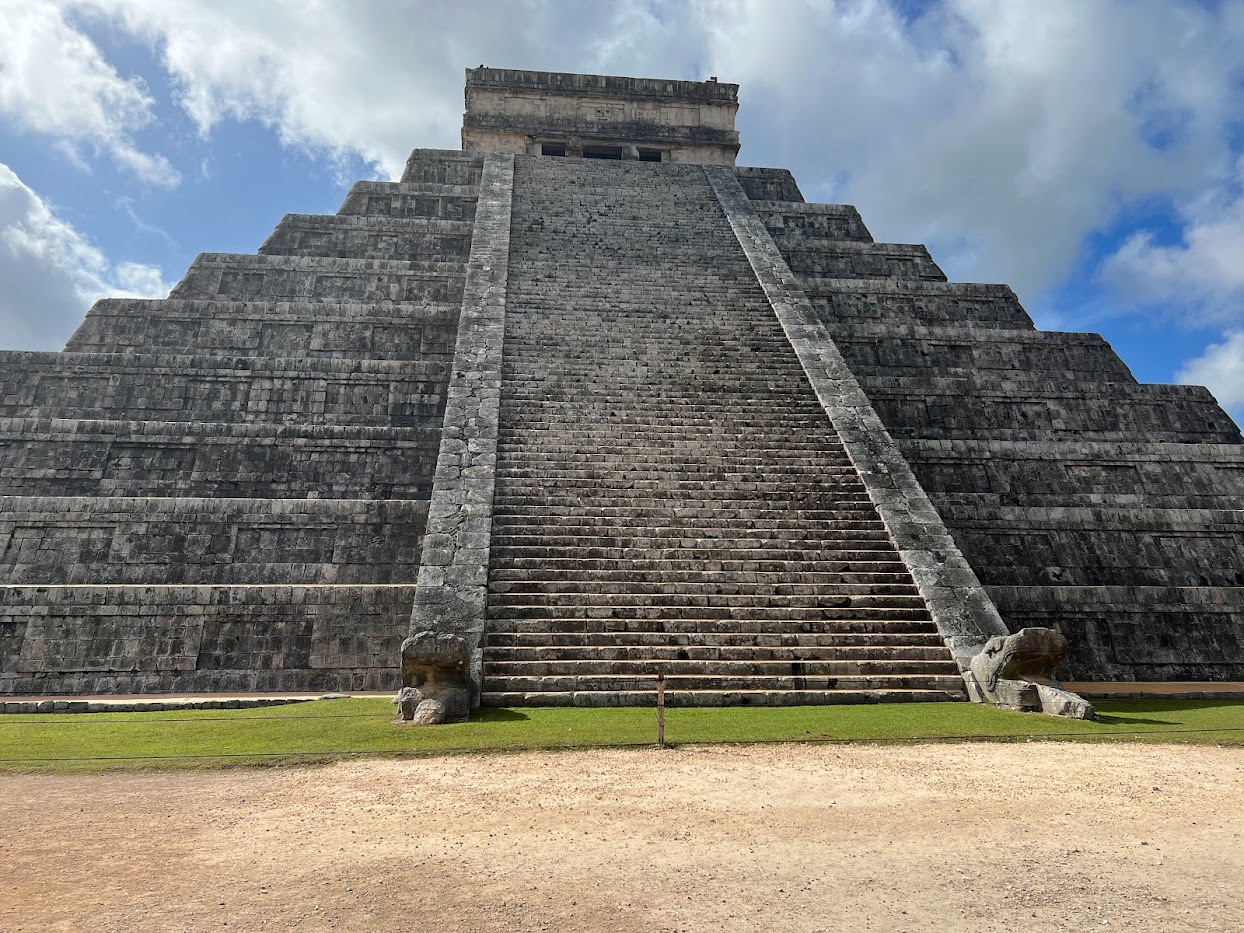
x,y
596,402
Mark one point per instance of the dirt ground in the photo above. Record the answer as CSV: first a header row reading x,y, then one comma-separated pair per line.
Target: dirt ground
x,y
834,838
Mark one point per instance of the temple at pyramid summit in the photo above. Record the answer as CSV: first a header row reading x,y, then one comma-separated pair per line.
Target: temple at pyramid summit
x,y
584,402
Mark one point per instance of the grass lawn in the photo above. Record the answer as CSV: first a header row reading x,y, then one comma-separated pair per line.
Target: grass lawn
x,y
331,729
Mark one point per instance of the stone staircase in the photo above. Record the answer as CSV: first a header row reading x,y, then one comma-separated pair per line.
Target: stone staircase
x,y
669,494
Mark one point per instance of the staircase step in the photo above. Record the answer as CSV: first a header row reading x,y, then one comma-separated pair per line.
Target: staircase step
x,y
521,592
746,653
541,578
662,605
715,667
861,519
506,550
900,638
767,614
827,495
679,682
691,698
519,567
696,542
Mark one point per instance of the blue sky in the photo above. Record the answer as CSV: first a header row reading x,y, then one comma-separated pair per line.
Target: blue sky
x,y
1090,153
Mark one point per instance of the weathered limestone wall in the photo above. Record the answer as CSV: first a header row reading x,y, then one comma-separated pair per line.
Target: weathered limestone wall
x,y
1086,473
124,540
773,184
1083,500
366,330
161,639
1139,632
149,459
227,489
423,194
515,111
223,389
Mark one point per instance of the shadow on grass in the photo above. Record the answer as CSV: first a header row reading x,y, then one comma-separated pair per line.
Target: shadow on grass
x,y
1108,720
1161,711
497,714
1162,705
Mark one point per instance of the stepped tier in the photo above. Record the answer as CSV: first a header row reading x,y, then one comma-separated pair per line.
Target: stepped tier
x,y
369,237
242,277
168,387
1145,633
336,330
849,259
924,406
164,639
99,541
798,225
1085,501
1102,545
410,201
1080,473
768,184
842,303
444,167
169,459
952,351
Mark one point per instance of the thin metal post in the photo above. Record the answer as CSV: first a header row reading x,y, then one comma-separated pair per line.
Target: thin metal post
x,y
661,709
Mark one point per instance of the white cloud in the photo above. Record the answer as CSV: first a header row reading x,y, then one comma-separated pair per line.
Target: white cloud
x,y
1001,132
55,81
1203,272
374,78
50,274
1221,369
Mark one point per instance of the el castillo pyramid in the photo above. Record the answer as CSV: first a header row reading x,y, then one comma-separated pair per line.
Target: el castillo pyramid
x,y
591,401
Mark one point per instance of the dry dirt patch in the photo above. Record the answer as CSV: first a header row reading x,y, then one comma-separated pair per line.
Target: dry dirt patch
x,y
834,838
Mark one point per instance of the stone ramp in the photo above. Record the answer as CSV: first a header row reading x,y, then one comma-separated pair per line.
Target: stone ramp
x,y
670,495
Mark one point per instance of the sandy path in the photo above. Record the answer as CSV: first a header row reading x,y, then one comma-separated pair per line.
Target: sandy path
x,y
834,838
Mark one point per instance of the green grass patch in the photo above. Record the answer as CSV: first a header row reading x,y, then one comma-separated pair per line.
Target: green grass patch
x,y
333,729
